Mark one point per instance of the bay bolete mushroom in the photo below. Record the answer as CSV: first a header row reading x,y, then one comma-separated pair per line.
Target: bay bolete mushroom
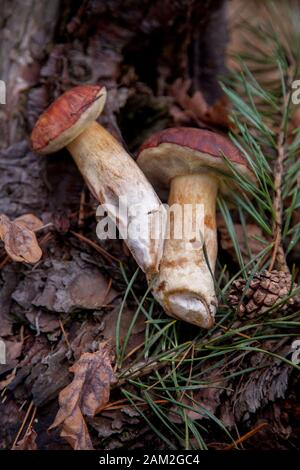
x,y
110,173
190,164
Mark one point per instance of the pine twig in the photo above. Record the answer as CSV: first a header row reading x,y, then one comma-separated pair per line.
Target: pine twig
x,y
278,256
246,436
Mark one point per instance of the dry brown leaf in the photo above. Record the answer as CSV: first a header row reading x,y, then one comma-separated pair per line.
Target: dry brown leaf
x,y
75,431
195,108
20,242
28,442
85,396
29,221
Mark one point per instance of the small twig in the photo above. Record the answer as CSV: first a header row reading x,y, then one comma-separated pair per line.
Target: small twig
x,y
21,333
107,290
45,238
190,374
176,367
22,406
139,370
146,367
122,401
28,429
23,424
134,350
278,256
64,333
4,261
119,404
32,419
97,247
37,230
81,214
235,332
246,436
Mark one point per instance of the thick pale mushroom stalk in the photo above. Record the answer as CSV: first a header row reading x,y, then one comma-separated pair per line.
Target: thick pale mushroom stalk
x,y
115,180
185,284
188,163
111,174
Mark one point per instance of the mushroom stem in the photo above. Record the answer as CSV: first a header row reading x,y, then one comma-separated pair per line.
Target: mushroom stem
x,y
185,285
114,178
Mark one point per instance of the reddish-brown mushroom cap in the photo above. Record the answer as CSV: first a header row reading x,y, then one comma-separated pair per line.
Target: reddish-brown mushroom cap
x,y
67,117
185,150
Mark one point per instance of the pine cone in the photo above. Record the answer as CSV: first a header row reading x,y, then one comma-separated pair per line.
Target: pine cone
x,y
265,289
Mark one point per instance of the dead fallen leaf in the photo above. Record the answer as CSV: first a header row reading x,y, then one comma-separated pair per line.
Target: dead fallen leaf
x,y
194,107
29,221
85,396
20,242
28,442
65,286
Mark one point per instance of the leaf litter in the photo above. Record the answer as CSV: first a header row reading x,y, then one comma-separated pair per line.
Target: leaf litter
x,y
85,396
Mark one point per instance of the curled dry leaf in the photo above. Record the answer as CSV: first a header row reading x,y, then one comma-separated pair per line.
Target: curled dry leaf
x,y
194,107
28,442
29,221
86,395
20,241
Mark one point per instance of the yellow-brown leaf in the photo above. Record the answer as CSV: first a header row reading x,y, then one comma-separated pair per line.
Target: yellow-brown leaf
x,y
86,395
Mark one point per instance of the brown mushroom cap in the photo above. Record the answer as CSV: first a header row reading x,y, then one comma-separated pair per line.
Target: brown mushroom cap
x,y
185,150
67,117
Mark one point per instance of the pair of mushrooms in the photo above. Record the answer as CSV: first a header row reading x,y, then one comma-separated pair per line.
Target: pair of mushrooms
x,y
187,162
